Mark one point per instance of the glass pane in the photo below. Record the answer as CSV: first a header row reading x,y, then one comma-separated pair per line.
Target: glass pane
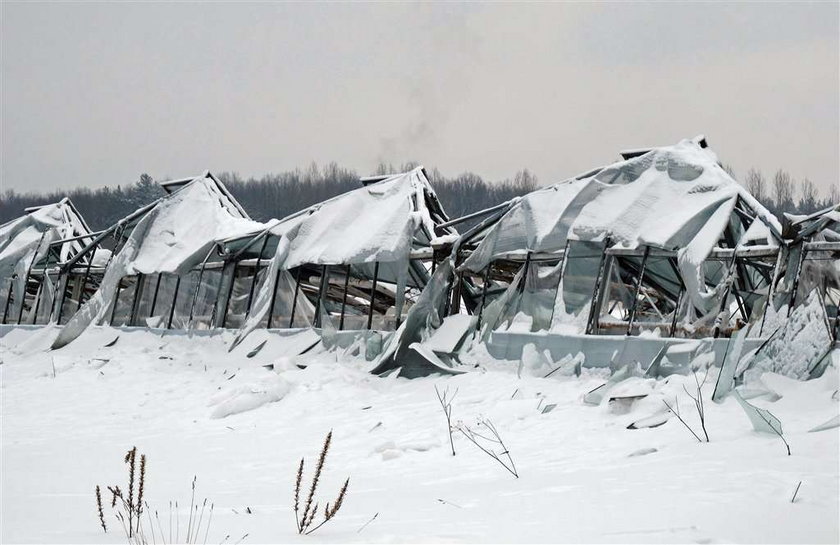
x,y
125,298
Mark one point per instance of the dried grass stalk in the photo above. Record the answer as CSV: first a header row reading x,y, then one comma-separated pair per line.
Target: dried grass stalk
x,y
304,522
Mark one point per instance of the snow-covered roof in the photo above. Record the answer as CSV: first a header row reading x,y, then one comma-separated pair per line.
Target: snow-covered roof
x,y
21,238
182,226
381,221
171,235
675,198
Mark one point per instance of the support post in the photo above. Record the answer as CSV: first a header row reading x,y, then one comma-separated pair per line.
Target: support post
x,y
155,296
455,305
796,279
521,287
174,301
254,280
273,298
592,323
84,283
62,280
731,269
197,289
294,299
638,290
322,288
771,289
225,290
372,295
559,281
8,299
486,281
676,310
344,298
26,278
116,300
135,303
39,296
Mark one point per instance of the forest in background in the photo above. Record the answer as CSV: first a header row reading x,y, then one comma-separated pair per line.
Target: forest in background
x,y
280,194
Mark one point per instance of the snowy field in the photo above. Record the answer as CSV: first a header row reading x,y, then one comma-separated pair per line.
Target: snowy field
x,y
69,416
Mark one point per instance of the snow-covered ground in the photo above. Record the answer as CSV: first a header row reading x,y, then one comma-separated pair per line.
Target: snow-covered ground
x,y
69,416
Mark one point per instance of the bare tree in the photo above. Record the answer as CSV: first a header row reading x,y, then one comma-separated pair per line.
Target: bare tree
x,y
783,190
489,443
808,196
833,195
446,404
525,180
756,184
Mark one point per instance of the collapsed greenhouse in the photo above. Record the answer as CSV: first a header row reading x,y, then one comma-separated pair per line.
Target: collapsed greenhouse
x,y
651,260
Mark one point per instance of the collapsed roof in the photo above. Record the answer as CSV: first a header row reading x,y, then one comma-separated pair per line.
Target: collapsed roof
x,y
666,232
663,240
54,230
171,234
386,223
674,198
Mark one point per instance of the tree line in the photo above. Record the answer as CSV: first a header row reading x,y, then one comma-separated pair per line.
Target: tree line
x,y
280,194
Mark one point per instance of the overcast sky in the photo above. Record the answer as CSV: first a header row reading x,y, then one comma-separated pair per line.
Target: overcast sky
x,y
95,94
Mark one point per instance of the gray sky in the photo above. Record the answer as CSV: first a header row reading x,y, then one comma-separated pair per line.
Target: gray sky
x,y
95,94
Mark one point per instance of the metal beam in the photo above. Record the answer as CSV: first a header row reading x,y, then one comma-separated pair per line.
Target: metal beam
x,y
474,215
372,295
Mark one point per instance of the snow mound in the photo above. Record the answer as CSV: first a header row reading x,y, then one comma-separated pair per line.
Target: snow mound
x,y
248,397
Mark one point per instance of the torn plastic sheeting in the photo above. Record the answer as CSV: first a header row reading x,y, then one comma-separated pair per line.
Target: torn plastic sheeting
x,y
279,285
422,319
491,315
96,308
